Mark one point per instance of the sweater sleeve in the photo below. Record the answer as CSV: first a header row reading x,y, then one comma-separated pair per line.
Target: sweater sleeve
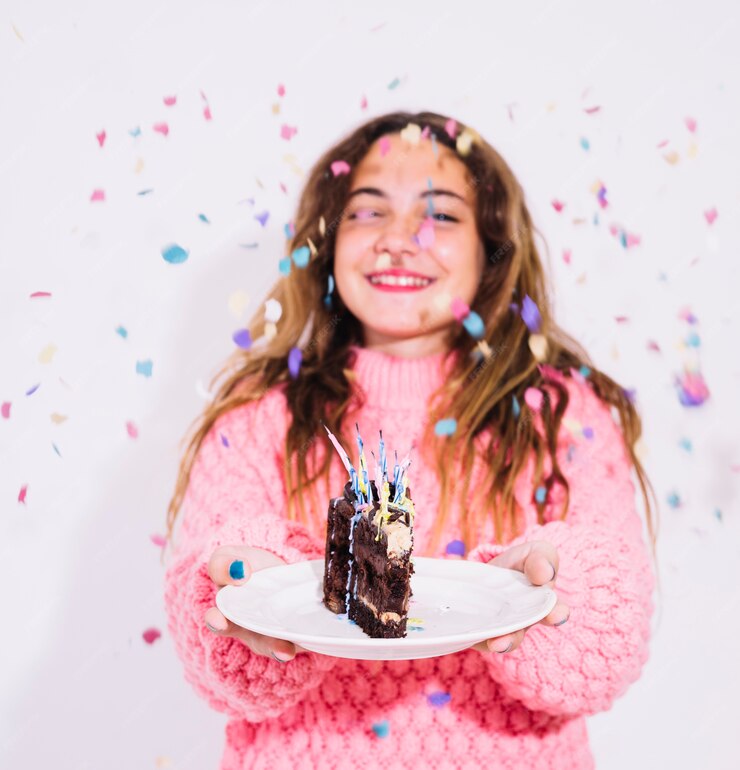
x,y
236,496
605,576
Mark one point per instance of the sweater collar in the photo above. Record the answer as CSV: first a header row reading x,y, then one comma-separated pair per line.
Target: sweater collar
x,y
394,382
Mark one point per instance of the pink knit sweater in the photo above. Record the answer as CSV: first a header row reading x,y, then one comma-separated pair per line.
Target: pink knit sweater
x,y
523,709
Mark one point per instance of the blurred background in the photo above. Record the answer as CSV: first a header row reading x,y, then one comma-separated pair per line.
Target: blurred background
x,y
152,155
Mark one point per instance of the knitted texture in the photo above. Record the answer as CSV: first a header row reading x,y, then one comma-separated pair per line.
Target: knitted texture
x,y
523,709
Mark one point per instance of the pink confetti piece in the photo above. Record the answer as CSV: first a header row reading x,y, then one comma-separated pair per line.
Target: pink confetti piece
x,y
426,131
662,144
533,397
131,429
425,236
690,124
151,635
691,388
340,167
170,101
621,319
101,138
591,110
459,309
288,132
451,128
207,112
385,146
551,373
158,540
283,188
38,294
97,195
710,215
566,256
281,89
22,494
363,103
558,205
685,314
5,410
652,345
161,128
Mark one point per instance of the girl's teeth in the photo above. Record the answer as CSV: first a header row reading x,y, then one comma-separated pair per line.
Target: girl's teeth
x,y
403,280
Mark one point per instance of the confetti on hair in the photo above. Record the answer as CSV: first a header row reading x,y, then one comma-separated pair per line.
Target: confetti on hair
x,y
287,132
540,494
455,548
425,237
273,310
284,265
158,540
464,142
445,427
515,406
262,218
385,146
33,389
22,494
151,635
382,729
438,699
474,325
434,148
339,167
294,362
174,254
411,134
322,226
301,256
161,128
5,410
451,128
270,331
538,345
101,138
314,250
144,367
710,215
533,398
39,294
97,195
131,429
242,338
531,314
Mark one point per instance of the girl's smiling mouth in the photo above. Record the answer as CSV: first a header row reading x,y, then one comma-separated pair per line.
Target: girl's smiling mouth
x,y
399,280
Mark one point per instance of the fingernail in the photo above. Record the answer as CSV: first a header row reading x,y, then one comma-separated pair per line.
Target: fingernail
x,y
511,644
279,660
211,628
553,571
236,570
560,622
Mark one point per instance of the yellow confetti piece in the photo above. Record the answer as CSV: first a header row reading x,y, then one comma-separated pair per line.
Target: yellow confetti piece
x,y
484,348
162,762
411,134
581,278
237,303
538,346
641,450
276,108
261,186
550,106
57,418
270,330
139,167
464,141
322,226
314,250
18,33
693,150
671,157
615,352
47,354
292,161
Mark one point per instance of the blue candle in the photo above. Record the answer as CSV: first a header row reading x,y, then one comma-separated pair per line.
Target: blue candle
x,y
383,459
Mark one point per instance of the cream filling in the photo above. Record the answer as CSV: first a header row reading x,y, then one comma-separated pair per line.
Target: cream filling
x,y
384,617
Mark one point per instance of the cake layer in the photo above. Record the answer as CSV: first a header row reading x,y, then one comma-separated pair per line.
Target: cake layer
x,y
337,557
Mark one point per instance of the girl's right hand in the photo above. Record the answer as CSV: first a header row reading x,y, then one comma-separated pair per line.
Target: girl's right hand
x,y
233,565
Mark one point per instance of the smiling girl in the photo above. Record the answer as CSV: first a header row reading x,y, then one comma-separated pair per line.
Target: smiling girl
x,y
423,299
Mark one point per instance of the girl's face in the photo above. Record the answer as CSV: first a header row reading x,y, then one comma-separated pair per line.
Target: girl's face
x,y
407,245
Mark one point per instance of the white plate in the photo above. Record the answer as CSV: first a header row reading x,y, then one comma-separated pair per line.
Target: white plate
x,y
457,602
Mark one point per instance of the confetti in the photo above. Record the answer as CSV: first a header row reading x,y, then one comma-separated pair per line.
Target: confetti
x,y
287,132
57,418
281,89
144,367
558,205
393,84
273,310
464,142
22,494
691,388
204,218
451,128
459,309
101,138
151,635
531,314
97,195
710,215
425,236
690,124
538,345
174,254
411,134
385,146
5,410
242,338
382,729
674,500
340,167
455,548
585,143
33,389
161,128
301,256
363,103
516,409
46,355
473,323
294,362
445,427
131,429
438,699
533,397
540,494
262,218
158,540
39,294
135,132
170,101
56,448
121,332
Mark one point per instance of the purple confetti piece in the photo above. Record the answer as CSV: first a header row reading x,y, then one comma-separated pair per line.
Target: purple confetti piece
x,y
455,548
242,338
438,699
262,218
531,314
294,362
33,389
224,440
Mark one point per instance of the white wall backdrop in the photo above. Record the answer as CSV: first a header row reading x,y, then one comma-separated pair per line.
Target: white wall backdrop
x,y
99,374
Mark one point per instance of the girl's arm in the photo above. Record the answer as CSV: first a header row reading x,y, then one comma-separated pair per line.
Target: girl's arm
x,y
236,497
605,577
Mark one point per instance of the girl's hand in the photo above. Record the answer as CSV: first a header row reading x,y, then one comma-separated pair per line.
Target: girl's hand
x,y
233,565
539,561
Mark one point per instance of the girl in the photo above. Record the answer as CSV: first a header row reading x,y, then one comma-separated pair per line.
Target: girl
x,y
414,293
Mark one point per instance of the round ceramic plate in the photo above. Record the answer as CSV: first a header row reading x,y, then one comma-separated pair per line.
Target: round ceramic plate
x,y
455,603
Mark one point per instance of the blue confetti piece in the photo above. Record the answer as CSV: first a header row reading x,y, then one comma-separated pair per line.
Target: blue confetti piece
x,y
588,432
693,340
33,389
455,548
571,449
294,361
585,143
148,191
174,254
718,514
56,449
224,440
685,443
674,500
393,84
289,230
284,265
445,427
144,367
330,287
135,132
531,314
438,699
122,332
515,406
204,218
242,338
262,218
584,371
301,256
474,325
430,202
623,238
540,494
381,729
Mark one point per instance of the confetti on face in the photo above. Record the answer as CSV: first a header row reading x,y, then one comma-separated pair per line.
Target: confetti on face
x,y
383,262
242,338
455,548
273,310
411,134
170,101
451,128
425,236
340,167
97,196
151,635
294,362
22,494
5,410
161,128
385,146
144,368
382,729
101,138
287,132
445,427
533,398
710,215
131,429
158,540
459,309
174,254
531,314
301,255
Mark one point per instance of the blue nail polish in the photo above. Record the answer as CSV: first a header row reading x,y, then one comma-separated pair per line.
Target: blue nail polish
x,y
236,570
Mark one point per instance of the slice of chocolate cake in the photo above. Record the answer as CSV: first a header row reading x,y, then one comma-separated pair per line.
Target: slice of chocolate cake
x,y
369,540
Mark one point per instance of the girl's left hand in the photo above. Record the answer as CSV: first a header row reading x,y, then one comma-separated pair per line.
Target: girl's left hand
x,y
538,560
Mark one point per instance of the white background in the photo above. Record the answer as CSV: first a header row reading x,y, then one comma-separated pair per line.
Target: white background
x,y
80,576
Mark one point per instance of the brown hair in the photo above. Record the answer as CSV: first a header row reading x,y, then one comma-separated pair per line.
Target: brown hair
x,y
323,390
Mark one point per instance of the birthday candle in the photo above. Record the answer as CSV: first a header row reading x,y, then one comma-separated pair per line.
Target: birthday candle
x,y
378,478
383,460
342,453
364,481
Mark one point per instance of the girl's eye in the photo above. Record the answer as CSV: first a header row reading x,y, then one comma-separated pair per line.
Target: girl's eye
x,y
441,214
363,214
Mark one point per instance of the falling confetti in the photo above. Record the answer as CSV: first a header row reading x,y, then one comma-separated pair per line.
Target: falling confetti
x,y
40,294
97,195
445,427
558,205
262,218
287,132
710,215
22,494
242,338
131,429
174,254
170,101
237,303
5,410
281,89
33,389
158,540
382,729
294,362
674,500
151,635
691,388
204,218
161,128
121,332
101,138
144,367
455,548
339,167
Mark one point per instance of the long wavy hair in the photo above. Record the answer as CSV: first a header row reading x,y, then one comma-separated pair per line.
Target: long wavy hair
x,y
482,406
